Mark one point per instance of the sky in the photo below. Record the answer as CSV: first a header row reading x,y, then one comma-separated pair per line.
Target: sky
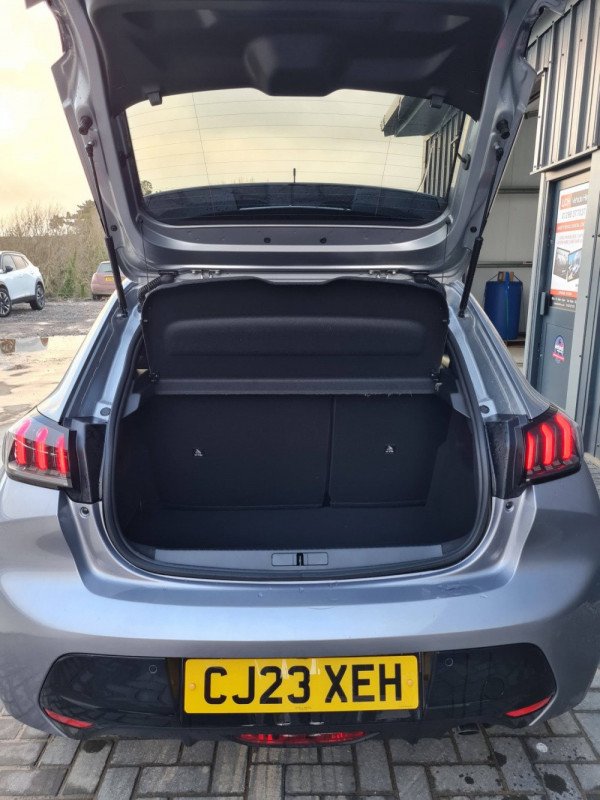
x,y
38,161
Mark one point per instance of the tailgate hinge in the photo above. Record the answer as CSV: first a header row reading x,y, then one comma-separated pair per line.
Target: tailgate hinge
x,y
384,273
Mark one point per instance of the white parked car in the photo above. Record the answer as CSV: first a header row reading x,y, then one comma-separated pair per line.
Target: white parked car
x,y
20,282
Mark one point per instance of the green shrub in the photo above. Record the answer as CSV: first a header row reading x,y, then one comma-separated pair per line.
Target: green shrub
x,y
66,247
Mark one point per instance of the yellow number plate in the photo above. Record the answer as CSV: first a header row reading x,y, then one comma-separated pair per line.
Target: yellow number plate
x,y
250,685
108,280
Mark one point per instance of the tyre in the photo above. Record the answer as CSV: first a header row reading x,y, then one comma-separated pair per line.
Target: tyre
x,y
5,302
96,297
40,298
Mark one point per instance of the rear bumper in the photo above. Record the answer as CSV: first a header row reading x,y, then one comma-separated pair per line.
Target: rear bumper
x,y
141,696
533,579
101,287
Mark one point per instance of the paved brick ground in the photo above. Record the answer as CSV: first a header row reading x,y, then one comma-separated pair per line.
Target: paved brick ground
x,y
557,761
594,465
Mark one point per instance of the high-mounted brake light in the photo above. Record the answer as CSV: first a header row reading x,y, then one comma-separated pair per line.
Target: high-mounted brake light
x,y
36,450
550,448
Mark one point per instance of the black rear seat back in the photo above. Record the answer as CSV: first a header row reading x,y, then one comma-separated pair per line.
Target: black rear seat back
x,y
295,433
240,451
384,449
306,451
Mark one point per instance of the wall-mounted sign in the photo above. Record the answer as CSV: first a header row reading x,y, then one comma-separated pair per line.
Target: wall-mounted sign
x,y
558,352
568,242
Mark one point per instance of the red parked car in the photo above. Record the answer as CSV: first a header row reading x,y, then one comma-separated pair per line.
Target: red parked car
x,y
103,282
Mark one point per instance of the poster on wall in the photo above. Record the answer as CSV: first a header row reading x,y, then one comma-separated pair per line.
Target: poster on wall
x,y
568,242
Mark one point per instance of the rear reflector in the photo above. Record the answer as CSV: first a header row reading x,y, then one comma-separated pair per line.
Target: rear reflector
x,y
36,450
522,712
73,723
299,739
550,447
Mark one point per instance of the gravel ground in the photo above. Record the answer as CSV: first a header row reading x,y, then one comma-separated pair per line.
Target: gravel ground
x,y
30,368
36,347
58,318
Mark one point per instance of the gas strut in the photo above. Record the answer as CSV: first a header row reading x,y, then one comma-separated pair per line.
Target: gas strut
x,y
108,240
504,131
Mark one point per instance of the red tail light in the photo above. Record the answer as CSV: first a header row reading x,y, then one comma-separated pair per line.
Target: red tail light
x,y
72,723
41,450
20,446
299,739
525,710
551,448
36,451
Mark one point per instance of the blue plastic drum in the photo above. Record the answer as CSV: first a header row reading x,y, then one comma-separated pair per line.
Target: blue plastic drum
x,y
502,303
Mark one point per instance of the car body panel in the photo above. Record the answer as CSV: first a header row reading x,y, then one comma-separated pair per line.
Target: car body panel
x,y
145,245
534,575
103,282
95,602
101,285
18,281
208,45
21,281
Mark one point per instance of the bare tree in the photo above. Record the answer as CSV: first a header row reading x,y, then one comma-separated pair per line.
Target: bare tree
x,y
66,247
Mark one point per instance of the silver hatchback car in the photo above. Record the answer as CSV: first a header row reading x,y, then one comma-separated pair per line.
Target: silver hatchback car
x,y
292,489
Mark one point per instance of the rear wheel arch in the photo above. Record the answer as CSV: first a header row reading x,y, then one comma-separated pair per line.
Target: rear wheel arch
x,y
5,301
39,301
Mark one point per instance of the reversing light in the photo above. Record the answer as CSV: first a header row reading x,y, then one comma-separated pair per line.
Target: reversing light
x,y
72,723
36,450
299,739
525,710
550,448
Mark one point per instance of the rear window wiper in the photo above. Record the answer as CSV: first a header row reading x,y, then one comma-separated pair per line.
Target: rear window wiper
x,y
298,206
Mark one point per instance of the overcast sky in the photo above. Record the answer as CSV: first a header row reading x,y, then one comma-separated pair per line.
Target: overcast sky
x,y
38,161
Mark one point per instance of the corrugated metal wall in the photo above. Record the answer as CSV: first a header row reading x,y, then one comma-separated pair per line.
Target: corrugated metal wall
x,y
567,57
438,155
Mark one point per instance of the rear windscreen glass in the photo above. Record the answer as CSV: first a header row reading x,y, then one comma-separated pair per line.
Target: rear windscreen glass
x,y
241,155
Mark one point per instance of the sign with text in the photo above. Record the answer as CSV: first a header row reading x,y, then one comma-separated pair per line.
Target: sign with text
x,y
568,243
